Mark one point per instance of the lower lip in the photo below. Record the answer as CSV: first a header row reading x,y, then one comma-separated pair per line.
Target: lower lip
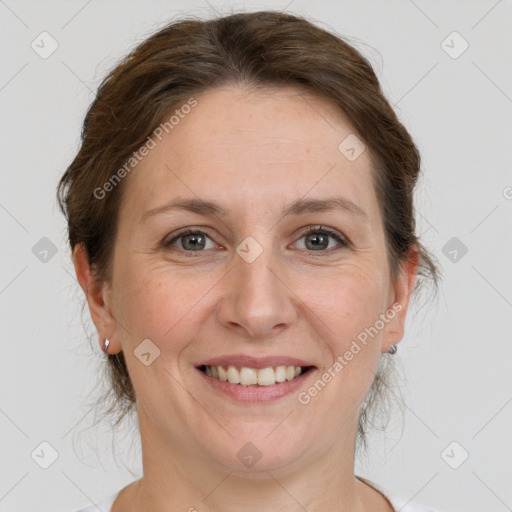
x,y
257,393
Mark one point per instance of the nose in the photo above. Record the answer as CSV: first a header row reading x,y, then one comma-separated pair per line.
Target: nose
x,y
257,301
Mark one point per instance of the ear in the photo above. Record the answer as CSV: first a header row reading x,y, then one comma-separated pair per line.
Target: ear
x,y
398,300
98,298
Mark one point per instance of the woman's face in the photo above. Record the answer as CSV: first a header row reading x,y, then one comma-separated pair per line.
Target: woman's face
x,y
251,282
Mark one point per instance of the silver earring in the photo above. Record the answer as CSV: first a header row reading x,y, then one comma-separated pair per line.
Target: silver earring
x,y
106,343
392,349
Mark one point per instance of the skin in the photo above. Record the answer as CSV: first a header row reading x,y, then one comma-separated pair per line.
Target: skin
x,y
254,153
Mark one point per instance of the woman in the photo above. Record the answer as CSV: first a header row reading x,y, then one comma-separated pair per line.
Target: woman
x,y
240,214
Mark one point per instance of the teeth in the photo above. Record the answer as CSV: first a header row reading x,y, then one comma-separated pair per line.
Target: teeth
x,y
248,376
251,376
233,375
266,377
223,374
280,373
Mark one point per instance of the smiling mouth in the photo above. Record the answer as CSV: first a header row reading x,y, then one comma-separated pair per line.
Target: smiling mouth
x,y
246,376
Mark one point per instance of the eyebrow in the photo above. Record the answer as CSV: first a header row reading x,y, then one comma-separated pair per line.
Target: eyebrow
x,y
298,207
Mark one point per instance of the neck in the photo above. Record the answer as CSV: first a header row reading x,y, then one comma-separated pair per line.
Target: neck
x,y
178,477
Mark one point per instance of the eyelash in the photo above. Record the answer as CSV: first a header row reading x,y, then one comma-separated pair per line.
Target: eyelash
x,y
311,229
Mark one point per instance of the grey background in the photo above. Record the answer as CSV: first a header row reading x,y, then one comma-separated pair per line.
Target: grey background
x,y
456,355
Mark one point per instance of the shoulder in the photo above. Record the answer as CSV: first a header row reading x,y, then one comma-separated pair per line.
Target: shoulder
x,y
104,506
400,503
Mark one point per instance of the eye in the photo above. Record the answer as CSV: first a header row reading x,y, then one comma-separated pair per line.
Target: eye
x,y
191,241
317,238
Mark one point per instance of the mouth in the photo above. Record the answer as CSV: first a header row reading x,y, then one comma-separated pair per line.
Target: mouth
x,y
255,378
248,376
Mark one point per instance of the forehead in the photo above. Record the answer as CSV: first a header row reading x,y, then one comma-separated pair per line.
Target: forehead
x,y
258,149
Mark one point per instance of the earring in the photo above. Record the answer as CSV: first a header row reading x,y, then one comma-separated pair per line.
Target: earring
x,y
106,343
392,349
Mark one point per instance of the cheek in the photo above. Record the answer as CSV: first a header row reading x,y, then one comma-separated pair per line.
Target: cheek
x,y
348,306
352,355
160,304
347,303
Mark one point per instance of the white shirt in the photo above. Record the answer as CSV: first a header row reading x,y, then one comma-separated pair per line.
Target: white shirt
x,y
400,503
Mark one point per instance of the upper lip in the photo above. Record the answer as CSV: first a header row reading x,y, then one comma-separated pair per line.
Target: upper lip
x,y
242,360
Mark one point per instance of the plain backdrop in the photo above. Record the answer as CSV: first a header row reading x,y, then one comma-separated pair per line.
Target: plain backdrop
x,y
455,450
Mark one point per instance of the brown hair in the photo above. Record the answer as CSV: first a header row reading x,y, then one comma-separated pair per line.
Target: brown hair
x,y
258,50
